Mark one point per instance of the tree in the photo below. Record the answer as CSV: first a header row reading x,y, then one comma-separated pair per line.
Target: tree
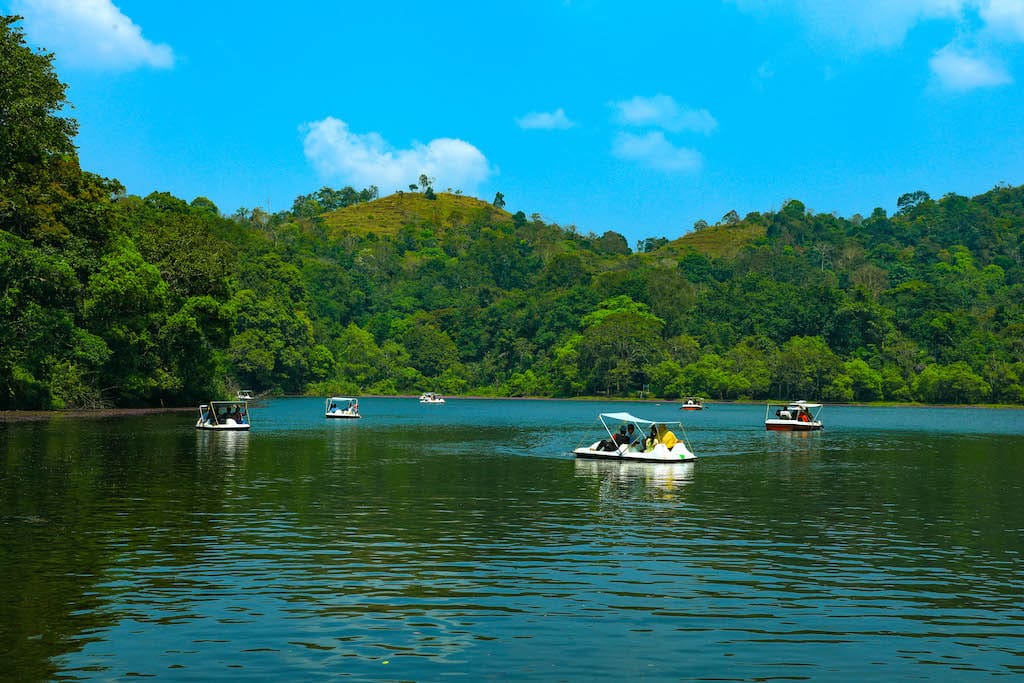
x,y
731,218
911,200
611,242
954,383
620,339
866,383
30,97
37,157
499,200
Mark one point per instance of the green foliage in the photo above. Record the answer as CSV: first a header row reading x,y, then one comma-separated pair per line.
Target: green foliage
x,y
954,383
36,148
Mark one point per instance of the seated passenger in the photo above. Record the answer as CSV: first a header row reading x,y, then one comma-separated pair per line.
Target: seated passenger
x,y
631,436
669,439
652,439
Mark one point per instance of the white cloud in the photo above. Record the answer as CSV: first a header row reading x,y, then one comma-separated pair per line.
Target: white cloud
x,y
869,24
1004,18
653,150
958,70
864,24
555,120
662,111
363,160
90,34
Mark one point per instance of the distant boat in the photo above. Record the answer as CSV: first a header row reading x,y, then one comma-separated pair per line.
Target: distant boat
x,y
224,416
692,403
795,416
342,407
245,395
431,397
652,441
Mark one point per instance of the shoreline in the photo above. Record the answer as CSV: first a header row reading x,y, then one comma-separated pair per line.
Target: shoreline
x,y
43,415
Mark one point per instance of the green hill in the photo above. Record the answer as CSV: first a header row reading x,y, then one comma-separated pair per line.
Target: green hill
x,y
387,215
716,241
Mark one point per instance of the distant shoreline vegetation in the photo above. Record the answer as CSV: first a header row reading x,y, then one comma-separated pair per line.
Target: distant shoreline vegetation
x,y
115,300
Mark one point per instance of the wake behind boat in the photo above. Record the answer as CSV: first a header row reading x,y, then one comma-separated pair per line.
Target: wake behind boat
x,y
648,441
224,416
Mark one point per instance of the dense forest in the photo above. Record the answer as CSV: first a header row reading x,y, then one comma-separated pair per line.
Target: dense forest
x,y
111,299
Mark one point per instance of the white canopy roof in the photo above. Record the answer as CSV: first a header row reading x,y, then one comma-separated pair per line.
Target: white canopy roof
x,y
626,417
341,398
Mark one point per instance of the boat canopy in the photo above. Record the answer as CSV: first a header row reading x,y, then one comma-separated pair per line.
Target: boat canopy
x,y
626,417
333,399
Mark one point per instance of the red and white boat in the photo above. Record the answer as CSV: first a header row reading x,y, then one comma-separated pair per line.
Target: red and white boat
x,y
692,403
796,416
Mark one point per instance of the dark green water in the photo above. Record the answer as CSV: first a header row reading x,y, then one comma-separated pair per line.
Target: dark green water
x,y
463,542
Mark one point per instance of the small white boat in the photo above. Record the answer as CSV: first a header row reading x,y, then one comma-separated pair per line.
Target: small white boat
x,y
432,398
692,403
342,407
224,416
796,416
652,441
245,395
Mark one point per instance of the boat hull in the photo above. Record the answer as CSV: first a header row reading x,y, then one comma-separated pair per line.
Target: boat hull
x,y
343,416
792,426
223,427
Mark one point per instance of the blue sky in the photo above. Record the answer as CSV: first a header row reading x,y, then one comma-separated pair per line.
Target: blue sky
x,y
638,117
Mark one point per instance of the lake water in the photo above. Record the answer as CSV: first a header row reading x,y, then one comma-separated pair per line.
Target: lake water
x,y
464,542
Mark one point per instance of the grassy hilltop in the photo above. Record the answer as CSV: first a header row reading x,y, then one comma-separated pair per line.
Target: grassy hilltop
x,y
387,215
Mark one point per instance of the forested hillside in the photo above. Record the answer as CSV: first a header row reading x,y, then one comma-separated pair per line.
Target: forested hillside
x,y
114,299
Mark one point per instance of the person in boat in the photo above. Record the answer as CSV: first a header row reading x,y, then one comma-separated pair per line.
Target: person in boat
x,y
652,439
804,416
668,437
631,436
621,437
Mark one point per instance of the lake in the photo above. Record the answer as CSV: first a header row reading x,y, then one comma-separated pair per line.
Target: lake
x,y
464,542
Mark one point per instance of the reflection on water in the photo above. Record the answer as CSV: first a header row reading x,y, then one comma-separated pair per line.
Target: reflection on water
x,y
227,444
466,542
664,478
